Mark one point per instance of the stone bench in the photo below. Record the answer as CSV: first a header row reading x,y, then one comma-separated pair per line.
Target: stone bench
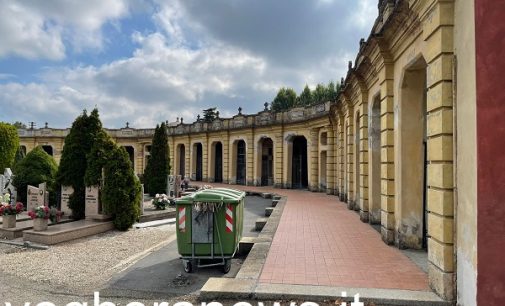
x,y
268,211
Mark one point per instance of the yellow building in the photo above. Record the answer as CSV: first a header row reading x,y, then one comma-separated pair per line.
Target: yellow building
x,y
398,145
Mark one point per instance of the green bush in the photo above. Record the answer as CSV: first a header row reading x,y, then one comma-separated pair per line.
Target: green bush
x,y
158,163
121,193
73,164
9,143
37,167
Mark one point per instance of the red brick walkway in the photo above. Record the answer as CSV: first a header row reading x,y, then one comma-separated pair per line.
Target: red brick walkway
x,y
320,242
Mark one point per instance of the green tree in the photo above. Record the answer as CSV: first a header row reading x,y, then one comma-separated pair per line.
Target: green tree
x,y
121,193
210,114
285,99
73,164
19,125
36,168
20,154
9,143
319,94
158,164
97,158
331,92
305,97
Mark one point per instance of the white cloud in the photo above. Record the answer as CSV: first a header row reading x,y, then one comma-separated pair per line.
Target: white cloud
x,y
39,29
176,71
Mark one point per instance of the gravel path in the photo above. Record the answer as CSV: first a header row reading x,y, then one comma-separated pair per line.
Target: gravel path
x,y
85,264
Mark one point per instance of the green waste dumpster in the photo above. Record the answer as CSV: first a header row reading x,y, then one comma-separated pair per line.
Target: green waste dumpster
x,y
209,226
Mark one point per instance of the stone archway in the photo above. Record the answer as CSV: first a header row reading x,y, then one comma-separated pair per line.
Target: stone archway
x,y
181,160
241,162
197,162
411,206
265,162
374,139
299,166
48,149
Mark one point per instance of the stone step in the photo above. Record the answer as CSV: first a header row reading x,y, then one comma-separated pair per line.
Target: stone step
x,y
154,215
266,195
68,231
21,226
268,211
245,245
274,203
260,223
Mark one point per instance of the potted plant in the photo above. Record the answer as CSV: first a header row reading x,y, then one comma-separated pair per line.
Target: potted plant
x,y
41,216
9,211
161,201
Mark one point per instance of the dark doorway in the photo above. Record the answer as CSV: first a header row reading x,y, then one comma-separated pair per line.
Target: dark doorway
x,y
267,160
199,162
299,163
218,165
131,153
48,150
241,163
182,159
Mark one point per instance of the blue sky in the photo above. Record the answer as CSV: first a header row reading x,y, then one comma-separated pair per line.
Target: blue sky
x,y
146,61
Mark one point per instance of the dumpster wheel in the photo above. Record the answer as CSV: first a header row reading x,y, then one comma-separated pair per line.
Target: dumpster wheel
x,y
227,265
188,265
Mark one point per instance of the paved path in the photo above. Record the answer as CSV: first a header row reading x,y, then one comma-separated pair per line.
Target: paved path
x,y
320,242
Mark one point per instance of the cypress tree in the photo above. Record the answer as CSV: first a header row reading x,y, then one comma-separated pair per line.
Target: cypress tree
x,y
9,143
158,164
121,193
73,164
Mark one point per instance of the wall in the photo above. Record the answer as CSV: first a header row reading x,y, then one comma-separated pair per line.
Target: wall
x,y
466,153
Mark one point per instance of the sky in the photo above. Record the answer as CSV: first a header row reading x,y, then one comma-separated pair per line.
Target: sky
x,y
147,61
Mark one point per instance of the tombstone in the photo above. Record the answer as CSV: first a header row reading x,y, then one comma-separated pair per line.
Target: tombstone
x,y
66,192
43,195
33,197
92,209
142,201
170,186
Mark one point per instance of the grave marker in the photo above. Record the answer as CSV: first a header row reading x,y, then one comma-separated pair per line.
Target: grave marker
x,y
92,208
32,198
66,192
170,186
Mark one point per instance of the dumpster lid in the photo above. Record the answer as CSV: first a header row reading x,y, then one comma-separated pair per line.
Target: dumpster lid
x,y
216,195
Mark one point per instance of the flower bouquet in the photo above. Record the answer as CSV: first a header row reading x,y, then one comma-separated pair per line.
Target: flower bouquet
x,y
161,201
9,211
41,214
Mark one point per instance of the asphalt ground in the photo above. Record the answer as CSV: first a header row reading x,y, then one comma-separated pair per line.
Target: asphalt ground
x,y
162,274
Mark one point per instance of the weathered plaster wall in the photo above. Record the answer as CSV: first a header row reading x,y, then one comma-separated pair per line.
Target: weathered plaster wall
x,y
466,153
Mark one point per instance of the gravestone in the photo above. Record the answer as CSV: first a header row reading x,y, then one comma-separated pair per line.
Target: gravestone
x,y
92,208
66,192
43,195
142,201
33,199
170,186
